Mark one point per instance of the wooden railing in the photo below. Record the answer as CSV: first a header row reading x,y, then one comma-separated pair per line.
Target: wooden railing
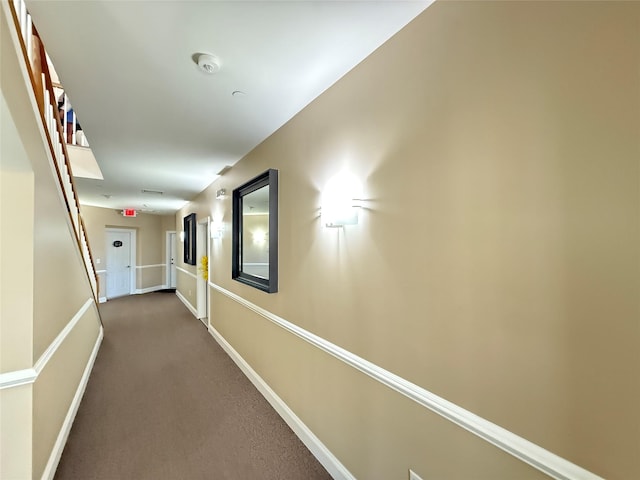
x,y
36,61
73,133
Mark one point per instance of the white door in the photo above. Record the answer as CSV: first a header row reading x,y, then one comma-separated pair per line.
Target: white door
x,y
118,264
171,260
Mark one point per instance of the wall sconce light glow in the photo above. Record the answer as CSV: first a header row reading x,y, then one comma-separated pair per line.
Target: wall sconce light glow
x,y
182,236
259,237
217,229
340,200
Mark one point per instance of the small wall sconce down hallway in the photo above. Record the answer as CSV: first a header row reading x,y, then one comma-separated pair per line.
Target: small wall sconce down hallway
x,y
217,229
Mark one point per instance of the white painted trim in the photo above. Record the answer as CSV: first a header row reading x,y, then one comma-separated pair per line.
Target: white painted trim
x,y
335,468
17,378
203,238
102,299
184,300
187,272
150,289
101,272
56,453
524,450
30,375
157,265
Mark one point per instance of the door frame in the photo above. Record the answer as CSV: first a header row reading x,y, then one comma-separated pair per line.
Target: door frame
x,y
167,256
132,256
203,228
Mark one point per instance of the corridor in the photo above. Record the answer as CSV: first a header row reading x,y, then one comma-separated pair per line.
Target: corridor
x,y
164,401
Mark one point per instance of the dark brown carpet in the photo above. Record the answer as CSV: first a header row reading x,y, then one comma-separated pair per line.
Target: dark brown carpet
x,y
164,401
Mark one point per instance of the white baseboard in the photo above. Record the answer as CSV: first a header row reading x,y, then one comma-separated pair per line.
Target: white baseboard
x,y
102,299
336,469
56,453
150,289
184,300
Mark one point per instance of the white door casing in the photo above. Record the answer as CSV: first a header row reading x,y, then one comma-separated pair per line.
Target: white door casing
x,y
202,290
121,271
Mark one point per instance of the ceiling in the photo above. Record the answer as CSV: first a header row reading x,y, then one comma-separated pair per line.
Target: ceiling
x,y
156,122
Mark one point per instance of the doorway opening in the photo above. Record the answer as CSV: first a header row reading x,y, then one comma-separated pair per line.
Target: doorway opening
x,y
171,255
202,288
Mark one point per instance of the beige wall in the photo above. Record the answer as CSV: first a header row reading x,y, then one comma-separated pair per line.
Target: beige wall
x,y
56,256
16,435
16,301
150,242
16,268
169,223
186,285
496,258
56,386
151,277
38,249
374,431
16,216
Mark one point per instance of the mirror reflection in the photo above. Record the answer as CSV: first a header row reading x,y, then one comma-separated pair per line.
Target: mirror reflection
x,y
255,233
254,241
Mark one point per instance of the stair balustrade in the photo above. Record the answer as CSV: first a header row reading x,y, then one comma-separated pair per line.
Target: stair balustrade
x,y
56,133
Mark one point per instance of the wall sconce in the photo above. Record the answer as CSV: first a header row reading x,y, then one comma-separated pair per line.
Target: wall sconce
x,y
182,235
341,201
217,229
259,237
220,194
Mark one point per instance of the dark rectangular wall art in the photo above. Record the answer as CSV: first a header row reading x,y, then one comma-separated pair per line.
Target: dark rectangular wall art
x,y
189,226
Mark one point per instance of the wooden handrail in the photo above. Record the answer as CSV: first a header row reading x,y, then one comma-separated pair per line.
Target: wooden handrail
x,y
93,263
60,128
35,62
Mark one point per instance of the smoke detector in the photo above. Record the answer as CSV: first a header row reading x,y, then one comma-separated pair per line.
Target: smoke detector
x,y
207,63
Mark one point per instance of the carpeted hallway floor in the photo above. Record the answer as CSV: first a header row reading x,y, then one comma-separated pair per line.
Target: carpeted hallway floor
x,y
164,401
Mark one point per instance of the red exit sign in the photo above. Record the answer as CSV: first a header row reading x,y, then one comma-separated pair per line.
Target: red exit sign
x,y
129,212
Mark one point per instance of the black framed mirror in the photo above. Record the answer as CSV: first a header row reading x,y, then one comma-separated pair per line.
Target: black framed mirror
x,y
189,243
255,232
